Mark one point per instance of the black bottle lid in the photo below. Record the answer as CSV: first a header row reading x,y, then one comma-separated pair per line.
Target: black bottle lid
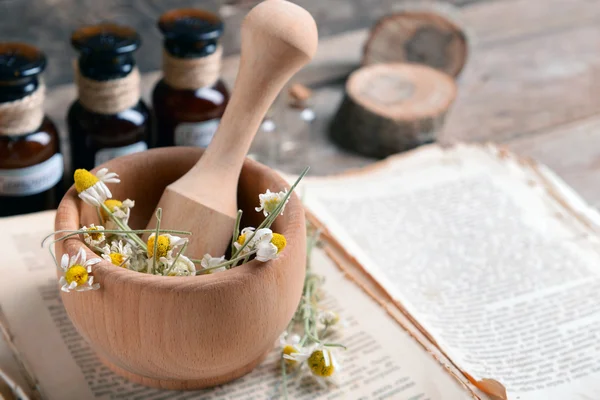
x,y
20,65
190,32
106,50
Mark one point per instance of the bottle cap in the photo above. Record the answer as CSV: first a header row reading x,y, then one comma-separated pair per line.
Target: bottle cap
x,y
109,39
106,50
190,32
19,60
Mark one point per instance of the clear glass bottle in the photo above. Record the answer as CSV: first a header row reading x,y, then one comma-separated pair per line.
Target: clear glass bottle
x,y
190,99
108,119
31,165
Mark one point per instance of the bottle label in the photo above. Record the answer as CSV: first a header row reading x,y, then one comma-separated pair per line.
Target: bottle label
x,y
197,134
32,180
104,155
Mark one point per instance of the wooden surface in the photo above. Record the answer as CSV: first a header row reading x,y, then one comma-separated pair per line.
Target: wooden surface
x,y
532,82
149,323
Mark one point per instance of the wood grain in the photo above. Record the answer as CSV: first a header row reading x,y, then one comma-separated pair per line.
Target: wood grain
x,y
528,85
418,36
185,332
390,108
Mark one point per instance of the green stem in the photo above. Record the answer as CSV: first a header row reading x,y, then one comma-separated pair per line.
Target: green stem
x,y
82,231
99,215
223,264
236,229
124,227
284,378
156,235
269,220
176,258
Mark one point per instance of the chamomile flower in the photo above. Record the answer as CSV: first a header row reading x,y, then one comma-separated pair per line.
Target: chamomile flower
x,y
94,235
292,352
243,238
183,266
118,253
76,272
328,318
92,189
269,201
209,261
269,249
165,245
323,364
119,209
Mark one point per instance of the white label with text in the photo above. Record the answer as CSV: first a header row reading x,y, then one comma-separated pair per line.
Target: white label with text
x,y
32,180
104,155
197,134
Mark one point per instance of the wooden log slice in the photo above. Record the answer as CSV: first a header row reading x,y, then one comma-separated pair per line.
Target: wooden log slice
x,y
390,108
419,36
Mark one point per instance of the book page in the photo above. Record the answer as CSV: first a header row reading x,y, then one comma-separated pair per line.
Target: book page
x,y
382,360
495,258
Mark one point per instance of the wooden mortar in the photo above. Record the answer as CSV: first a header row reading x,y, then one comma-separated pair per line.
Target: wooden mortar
x,y
185,332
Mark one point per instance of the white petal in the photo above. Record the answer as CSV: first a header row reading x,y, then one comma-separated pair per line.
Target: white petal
x,y
89,199
65,288
62,281
326,357
101,172
73,285
90,281
93,261
64,261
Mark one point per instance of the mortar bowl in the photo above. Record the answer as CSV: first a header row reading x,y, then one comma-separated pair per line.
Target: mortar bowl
x,y
185,332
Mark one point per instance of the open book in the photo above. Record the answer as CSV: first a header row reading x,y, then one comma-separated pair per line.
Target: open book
x,y
459,271
42,351
492,258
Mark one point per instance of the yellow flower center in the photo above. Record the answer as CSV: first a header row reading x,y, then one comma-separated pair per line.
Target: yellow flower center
x,y
316,363
242,239
279,241
162,247
95,236
271,204
110,204
84,180
78,274
117,258
289,350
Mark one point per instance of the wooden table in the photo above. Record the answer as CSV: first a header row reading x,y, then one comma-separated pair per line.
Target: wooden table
x,y
532,82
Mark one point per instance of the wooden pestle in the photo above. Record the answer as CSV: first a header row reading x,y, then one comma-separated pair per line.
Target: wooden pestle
x,y
278,38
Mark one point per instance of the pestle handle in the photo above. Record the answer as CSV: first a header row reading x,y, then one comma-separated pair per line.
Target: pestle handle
x,y
278,38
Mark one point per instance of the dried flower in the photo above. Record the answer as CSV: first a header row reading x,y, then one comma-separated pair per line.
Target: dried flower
x,y
92,189
328,318
118,253
94,235
182,266
269,202
119,209
209,261
77,271
165,246
322,362
269,246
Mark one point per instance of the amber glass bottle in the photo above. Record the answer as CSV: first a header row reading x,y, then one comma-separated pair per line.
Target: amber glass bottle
x,y
108,119
191,98
31,166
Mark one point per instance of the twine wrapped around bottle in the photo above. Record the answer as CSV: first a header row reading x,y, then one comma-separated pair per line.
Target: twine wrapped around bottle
x,y
108,97
192,73
24,115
